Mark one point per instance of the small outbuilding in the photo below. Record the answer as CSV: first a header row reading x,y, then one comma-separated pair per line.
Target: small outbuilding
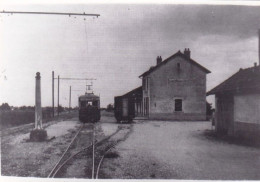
x,y
237,102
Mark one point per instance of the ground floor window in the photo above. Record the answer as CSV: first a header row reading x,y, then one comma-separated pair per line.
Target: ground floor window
x,y
178,104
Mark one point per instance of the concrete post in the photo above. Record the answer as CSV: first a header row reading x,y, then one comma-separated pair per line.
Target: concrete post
x,y
38,107
38,134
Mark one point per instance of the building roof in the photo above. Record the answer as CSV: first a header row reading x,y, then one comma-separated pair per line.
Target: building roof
x,y
180,54
134,93
243,81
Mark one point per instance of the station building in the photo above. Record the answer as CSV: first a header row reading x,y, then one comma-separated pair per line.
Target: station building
x,y
174,89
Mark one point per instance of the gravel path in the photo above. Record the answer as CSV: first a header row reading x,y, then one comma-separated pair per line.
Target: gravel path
x,y
179,150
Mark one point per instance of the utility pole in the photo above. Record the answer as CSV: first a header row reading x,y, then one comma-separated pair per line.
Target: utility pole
x,y
58,94
53,94
70,100
82,79
259,47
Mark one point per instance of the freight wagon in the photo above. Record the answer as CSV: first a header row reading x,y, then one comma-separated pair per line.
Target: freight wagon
x,y
124,108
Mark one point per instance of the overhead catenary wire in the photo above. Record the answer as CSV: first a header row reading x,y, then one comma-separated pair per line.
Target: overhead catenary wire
x,y
76,78
48,13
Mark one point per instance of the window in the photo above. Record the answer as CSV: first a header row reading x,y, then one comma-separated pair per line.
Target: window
x,y
83,104
89,103
95,103
145,83
178,104
144,86
178,66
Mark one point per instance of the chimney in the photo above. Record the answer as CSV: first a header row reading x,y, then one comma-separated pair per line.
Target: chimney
x,y
159,59
187,52
255,64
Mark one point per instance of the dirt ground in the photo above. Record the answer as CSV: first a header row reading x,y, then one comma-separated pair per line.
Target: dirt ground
x,y
180,150
153,150
36,159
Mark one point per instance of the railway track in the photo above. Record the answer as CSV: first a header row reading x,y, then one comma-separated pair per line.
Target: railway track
x,y
93,153
108,149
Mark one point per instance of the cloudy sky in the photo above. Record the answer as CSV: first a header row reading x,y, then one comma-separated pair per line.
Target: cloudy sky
x,y
118,46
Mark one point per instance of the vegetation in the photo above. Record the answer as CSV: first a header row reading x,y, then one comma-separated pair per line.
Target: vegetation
x,y
110,107
5,107
13,116
209,110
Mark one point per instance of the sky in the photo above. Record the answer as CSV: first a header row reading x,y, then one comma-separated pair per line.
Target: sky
x,y
117,47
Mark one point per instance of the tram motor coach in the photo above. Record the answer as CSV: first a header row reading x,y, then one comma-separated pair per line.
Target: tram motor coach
x,y
89,108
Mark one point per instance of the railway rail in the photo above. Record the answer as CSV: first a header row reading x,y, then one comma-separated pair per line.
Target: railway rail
x,y
108,150
96,150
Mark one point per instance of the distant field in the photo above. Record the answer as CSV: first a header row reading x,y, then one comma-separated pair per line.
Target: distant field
x,y
16,118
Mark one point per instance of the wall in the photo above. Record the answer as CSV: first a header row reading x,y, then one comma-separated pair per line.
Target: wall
x,y
224,115
247,115
168,83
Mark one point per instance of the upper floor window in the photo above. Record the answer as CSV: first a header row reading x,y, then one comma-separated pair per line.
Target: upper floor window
x,y
145,83
178,66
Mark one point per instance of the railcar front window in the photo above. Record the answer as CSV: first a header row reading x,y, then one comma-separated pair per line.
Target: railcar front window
x,y
95,103
83,104
90,103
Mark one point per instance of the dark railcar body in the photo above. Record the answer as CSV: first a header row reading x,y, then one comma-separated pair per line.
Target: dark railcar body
x,y
89,108
124,108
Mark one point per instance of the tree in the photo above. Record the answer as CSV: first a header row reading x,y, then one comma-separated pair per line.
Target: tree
x,y
5,107
60,108
26,108
209,109
110,107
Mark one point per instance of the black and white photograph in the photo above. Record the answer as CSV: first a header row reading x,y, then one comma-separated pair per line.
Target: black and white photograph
x,y
130,90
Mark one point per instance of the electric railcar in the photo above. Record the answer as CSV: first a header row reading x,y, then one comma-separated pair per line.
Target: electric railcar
x,y
89,108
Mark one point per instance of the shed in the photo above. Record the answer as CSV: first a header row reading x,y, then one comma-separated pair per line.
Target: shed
x,y
237,102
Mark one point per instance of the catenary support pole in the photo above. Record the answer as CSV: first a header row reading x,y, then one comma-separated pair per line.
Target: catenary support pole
x,y
53,94
58,94
70,100
259,46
